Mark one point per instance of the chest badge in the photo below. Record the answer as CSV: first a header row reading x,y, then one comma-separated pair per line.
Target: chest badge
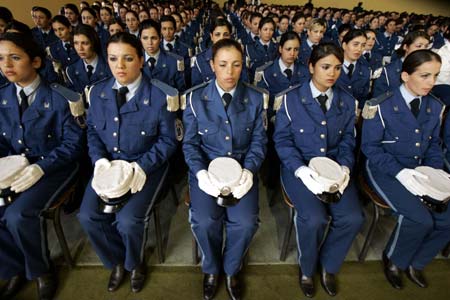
x,y
4,102
395,108
146,101
46,105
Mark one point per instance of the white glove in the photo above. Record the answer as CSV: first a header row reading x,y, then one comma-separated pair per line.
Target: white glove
x,y
205,184
346,180
139,178
443,173
245,184
307,175
28,177
102,163
406,178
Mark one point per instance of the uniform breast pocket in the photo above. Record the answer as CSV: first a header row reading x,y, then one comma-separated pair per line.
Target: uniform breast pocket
x,y
208,132
303,134
243,134
42,139
140,137
99,125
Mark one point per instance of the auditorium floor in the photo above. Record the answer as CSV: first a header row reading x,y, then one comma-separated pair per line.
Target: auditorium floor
x,y
266,276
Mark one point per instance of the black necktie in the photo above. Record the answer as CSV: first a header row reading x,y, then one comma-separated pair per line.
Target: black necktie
x,y
90,70
350,70
265,47
288,73
67,46
367,56
256,38
151,62
23,102
44,35
227,98
121,97
170,47
322,100
415,106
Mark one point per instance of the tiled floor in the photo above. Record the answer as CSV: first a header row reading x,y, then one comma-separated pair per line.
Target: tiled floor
x,y
176,230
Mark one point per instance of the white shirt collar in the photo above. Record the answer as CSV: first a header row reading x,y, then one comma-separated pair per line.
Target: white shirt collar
x,y
347,64
29,90
166,42
408,96
315,93
284,67
221,91
147,56
132,87
93,63
310,44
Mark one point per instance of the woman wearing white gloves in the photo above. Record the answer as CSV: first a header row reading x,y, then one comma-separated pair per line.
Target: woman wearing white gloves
x,y
128,120
35,122
401,132
224,118
317,119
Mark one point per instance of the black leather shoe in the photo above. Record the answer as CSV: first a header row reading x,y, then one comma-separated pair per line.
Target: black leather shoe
x,y
392,273
416,276
209,286
47,285
328,282
306,284
116,278
233,287
138,278
12,286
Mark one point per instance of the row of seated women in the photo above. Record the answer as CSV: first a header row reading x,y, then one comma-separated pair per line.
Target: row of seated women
x,y
132,118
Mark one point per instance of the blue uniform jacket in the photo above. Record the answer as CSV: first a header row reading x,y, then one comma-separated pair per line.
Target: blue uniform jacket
x,y
47,133
447,139
78,77
201,69
386,46
389,78
166,70
212,132
142,131
359,84
394,139
258,56
305,52
375,62
303,131
42,41
60,53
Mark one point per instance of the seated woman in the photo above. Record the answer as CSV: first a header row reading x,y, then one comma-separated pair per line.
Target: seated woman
x,y
128,120
165,66
91,67
317,119
224,118
36,123
401,132
62,51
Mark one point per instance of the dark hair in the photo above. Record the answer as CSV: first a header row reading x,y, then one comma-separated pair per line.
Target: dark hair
x,y
297,16
73,8
43,10
323,50
409,39
352,34
218,22
283,17
5,14
417,58
89,10
120,23
255,15
134,14
344,27
126,38
447,34
287,36
266,20
149,23
20,27
166,18
26,43
61,19
108,9
91,34
370,30
226,43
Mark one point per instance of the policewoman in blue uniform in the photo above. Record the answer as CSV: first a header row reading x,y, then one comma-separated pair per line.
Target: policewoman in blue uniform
x,y
62,51
314,35
224,118
387,39
129,119
355,76
401,132
373,58
317,119
35,121
263,49
91,67
43,33
389,78
165,66
201,70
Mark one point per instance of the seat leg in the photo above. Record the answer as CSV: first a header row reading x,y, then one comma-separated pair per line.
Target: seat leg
x,y
369,237
159,239
56,218
287,234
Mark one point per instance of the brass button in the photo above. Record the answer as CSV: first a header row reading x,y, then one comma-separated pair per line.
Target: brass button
x,y
322,136
49,136
416,157
115,149
142,132
248,129
226,122
417,131
417,144
206,130
229,153
301,130
4,133
430,137
19,141
227,137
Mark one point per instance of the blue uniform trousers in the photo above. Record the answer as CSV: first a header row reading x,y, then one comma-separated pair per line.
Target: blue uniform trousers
x,y
311,219
207,220
119,238
23,241
420,233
